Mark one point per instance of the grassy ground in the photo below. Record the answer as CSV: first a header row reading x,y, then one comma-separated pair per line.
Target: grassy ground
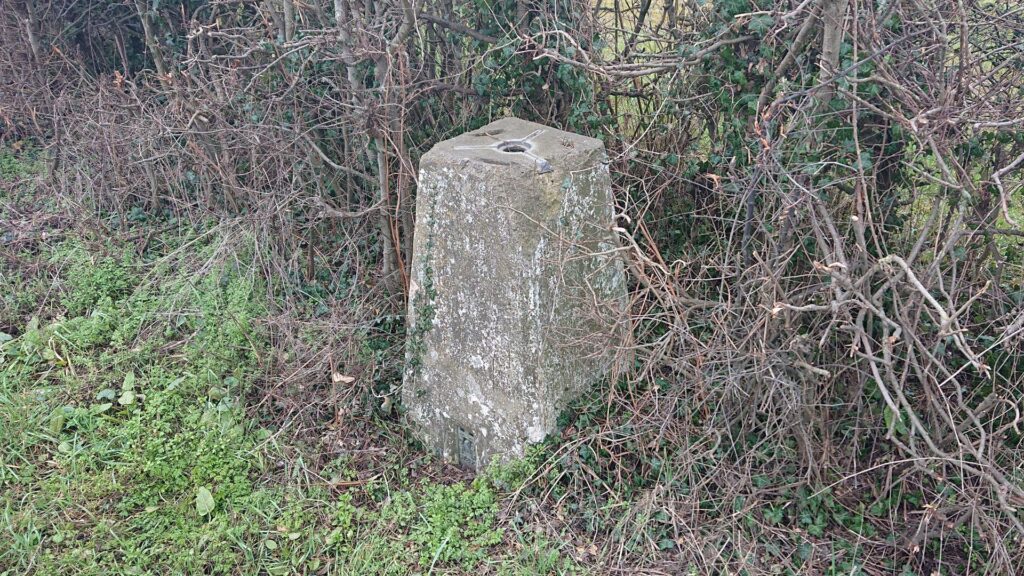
x,y
133,439
151,422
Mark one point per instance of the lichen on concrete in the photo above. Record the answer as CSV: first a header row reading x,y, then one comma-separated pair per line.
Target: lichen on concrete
x,y
514,289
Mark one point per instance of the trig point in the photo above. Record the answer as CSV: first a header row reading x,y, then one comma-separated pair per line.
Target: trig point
x,y
515,290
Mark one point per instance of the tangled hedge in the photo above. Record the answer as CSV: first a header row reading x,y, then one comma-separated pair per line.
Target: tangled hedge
x,y
820,202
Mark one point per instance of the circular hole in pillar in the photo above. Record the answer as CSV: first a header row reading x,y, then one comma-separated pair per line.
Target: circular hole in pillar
x,y
514,146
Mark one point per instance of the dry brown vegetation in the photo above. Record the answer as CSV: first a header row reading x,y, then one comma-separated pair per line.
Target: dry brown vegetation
x,y
820,203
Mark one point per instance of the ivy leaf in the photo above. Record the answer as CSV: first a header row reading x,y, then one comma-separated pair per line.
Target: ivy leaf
x,y
761,24
204,501
773,514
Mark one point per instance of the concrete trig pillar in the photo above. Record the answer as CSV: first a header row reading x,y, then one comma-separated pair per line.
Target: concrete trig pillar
x,y
515,287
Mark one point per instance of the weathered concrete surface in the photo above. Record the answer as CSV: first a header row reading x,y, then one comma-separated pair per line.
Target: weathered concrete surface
x,y
515,286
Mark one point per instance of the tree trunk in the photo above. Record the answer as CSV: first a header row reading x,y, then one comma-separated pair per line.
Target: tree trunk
x,y
833,20
151,42
289,20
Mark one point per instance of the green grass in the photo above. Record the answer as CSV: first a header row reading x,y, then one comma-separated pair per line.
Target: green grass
x,y
129,443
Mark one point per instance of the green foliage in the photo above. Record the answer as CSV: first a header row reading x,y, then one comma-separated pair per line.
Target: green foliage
x,y
539,556
509,476
102,411
457,525
125,446
21,163
344,523
94,281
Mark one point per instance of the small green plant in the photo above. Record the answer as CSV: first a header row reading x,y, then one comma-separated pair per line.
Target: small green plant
x,y
344,522
458,525
94,281
540,556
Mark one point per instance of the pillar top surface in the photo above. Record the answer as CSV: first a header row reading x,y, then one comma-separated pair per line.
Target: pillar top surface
x,y
515,142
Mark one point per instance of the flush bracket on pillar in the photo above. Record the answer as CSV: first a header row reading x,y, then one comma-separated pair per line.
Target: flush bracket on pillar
x,y
466,448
